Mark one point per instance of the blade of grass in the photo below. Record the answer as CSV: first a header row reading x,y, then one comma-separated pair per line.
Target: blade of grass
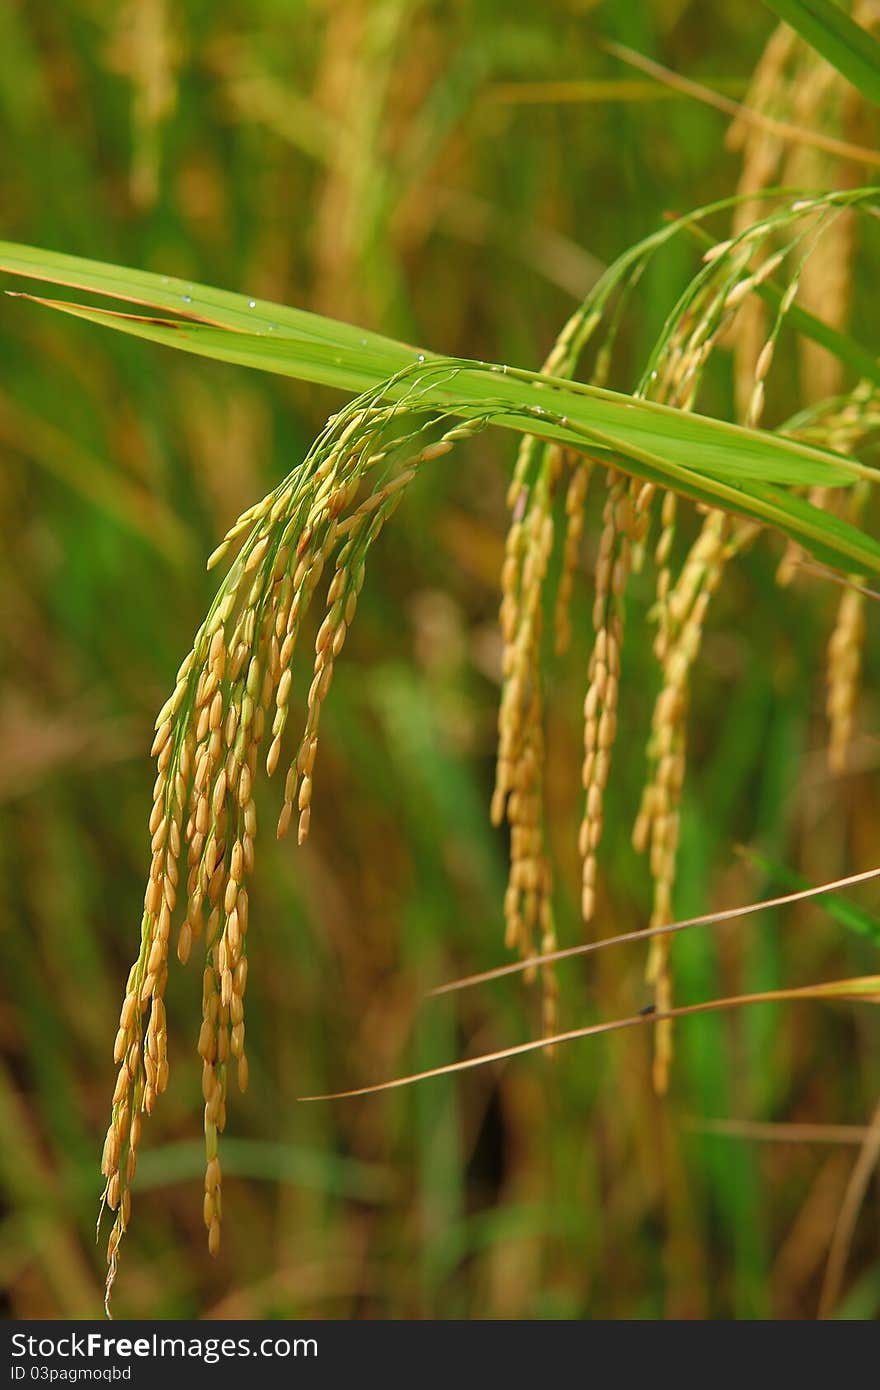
x,y
706,445
327,361
849,915
821,532
844,44
312,1169
691,453
588,419
197,302
263,335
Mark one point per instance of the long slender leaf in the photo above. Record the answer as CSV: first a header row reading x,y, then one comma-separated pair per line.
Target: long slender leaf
x,y
703,444
709,460
291,342
843,43
200,303
850,915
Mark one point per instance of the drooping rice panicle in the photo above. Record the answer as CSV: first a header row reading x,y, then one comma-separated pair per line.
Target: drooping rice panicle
x,y
792,81
657,826
843,424
581,470
708,314
844,657
207,742
518,793
844,667
624,520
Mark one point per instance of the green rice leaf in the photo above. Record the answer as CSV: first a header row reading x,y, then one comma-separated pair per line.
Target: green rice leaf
x,y
844,44
709,460
850,915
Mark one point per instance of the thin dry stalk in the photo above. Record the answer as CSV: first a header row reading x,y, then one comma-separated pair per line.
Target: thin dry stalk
x,y
841,1241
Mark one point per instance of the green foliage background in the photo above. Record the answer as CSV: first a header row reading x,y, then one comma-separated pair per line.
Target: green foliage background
x,y
394,164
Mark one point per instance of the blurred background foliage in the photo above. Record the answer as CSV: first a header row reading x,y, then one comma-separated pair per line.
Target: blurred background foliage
x,y
456,175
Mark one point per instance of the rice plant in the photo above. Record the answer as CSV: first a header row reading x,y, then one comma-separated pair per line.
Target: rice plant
x,y
233,690
672,495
